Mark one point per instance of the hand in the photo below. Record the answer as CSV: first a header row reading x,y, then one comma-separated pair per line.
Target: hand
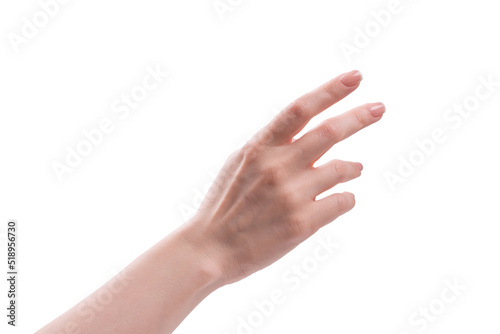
x,y
261,205
263,202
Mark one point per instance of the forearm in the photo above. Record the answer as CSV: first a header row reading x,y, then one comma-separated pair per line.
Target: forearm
x,y
152,295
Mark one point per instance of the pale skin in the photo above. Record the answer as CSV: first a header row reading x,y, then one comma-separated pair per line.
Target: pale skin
x,y
261,206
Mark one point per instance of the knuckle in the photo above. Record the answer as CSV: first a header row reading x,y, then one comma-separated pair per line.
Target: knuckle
x,y
234,156
339,167
296,110
297,227
329,131
262,136
288,199
273,172
358,117
362,121
250,151
300,152
333,91
340,202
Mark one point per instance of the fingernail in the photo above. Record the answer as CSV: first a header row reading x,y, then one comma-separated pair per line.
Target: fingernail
x,y
360,166
377,109
351,79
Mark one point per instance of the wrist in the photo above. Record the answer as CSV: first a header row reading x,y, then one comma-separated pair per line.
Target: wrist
x,y
199,252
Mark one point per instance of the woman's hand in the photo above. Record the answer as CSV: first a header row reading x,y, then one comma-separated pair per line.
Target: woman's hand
x,y
261,205
263,202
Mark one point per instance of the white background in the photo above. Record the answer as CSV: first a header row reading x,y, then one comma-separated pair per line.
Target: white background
x,y
227,78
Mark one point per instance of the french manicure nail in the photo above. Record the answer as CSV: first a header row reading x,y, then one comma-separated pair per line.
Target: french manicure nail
x,y
351,79
377,110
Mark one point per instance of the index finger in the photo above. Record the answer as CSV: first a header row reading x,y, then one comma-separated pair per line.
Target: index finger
x,y
295,117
